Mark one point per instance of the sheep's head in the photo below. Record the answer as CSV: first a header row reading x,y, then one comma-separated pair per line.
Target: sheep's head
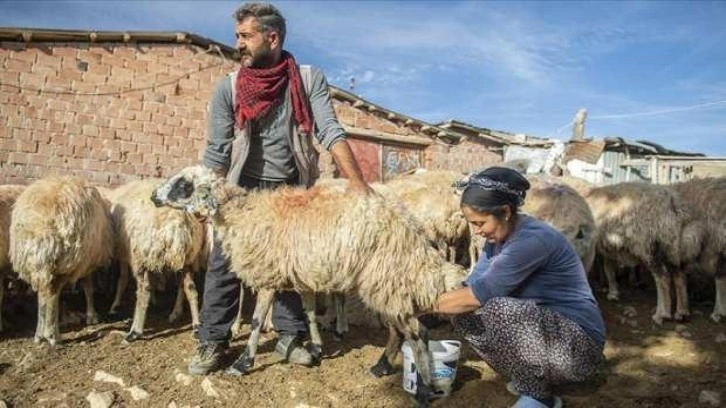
x,y
191,190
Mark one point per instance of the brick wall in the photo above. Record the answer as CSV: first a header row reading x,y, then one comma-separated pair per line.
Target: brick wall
x,y
464,157
112,112
116,135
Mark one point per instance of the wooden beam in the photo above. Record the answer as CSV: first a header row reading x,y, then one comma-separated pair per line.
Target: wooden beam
x,y
373,135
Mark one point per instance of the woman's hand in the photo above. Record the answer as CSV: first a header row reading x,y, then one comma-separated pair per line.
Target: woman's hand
x,y
456,302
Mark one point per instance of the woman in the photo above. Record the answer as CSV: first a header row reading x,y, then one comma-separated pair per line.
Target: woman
x,y
535,319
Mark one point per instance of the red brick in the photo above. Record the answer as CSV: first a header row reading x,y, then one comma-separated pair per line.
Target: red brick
x,y
26,55
60,139
68,52
143,148
17,157
14,65
81,152
111,167
41,136
10,77
22,134
128,147
143,116
94,165
48,61
72,74
138,66
127,168
90,130
158,149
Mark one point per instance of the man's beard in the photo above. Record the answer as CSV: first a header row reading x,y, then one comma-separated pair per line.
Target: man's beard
x,y
264,59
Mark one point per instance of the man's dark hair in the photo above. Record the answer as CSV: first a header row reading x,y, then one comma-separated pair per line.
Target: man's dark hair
x,y
268,17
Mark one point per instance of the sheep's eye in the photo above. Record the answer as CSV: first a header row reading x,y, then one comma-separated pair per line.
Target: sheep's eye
x,y
181,189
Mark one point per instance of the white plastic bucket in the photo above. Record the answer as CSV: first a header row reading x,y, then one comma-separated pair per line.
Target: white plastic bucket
x,y
444,356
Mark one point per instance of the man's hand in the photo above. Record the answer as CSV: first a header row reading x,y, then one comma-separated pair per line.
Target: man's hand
x,y
343,157
359,187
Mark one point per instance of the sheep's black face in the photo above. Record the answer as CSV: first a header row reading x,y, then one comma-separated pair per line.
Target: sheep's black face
x,y
190,190
182,189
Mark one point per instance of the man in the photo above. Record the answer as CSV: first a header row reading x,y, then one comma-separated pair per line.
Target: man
x,y
261,122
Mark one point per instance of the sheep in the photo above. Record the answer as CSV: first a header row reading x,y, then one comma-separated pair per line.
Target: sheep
x,y
430,197
650,225
322,240
152,243
60,232
8,195
561,206
707,198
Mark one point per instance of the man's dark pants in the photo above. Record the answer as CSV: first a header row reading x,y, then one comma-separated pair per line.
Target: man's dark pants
x,y
222,293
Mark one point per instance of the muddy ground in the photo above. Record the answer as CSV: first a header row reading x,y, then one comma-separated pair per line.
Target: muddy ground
x,y
651,366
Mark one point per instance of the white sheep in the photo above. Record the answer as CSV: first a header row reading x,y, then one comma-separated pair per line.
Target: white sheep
x,y
8,195
154,243
322,240
433,202
60,232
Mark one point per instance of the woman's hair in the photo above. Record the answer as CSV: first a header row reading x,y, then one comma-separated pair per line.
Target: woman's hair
x,y
493,189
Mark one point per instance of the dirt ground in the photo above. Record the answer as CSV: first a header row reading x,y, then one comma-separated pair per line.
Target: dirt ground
x,y
651,366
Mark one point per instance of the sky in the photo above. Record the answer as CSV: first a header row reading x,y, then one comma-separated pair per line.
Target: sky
x,y
650,70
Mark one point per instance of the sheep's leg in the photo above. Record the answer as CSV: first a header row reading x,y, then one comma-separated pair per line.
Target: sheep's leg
x,y
40,325
178,310
2,293
341,319
143,289
719,308
383,366
91,315
190,289
268,326
308,301
611,276
682,309
418,338
237,325
247,360
452,254
663,286
51,331
123,282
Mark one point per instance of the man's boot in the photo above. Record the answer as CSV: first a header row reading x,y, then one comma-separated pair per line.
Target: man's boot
x,y
291,348
208,358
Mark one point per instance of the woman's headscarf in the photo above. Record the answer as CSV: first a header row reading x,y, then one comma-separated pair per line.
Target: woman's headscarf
x,y
493,187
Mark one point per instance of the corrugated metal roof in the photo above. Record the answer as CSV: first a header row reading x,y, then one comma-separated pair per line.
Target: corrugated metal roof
x,y
587,151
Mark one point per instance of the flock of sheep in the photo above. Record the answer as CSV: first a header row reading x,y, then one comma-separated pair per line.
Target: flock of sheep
x,y
393,252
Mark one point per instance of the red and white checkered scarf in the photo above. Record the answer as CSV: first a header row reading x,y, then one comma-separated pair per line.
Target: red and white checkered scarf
x,y
258,90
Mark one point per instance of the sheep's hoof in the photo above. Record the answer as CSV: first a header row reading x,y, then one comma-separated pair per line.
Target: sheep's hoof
x,y
132,336
242,366
37,339
195,328
614,296
382,368
658,318
316,352
682,317
716,317
338,336
423,395
92,319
